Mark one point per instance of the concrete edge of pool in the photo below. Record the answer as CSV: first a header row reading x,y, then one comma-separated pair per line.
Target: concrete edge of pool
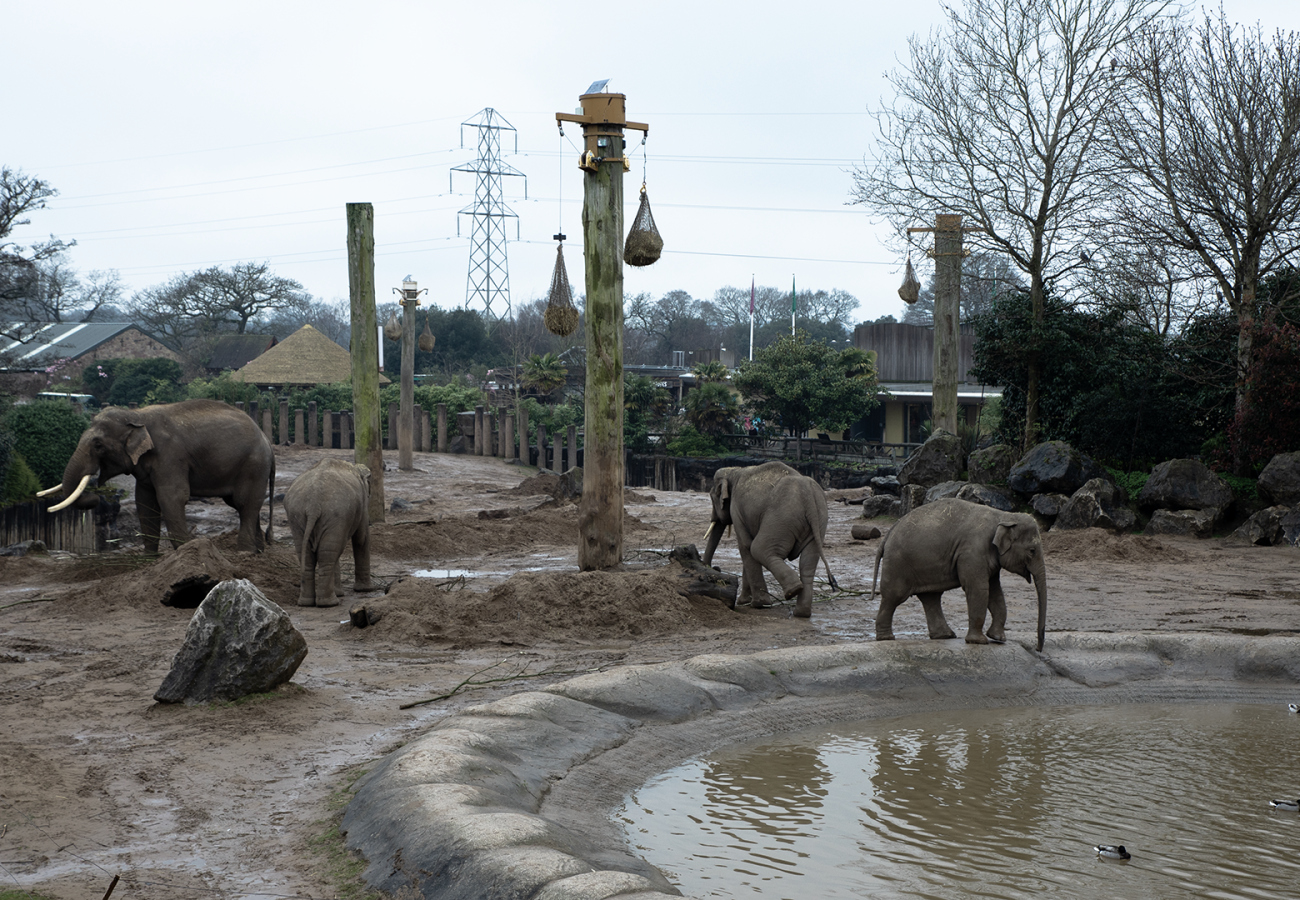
x,y
512,799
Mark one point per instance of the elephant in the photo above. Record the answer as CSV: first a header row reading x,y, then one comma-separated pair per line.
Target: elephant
x,y
778,515
327,505
196,448
954,543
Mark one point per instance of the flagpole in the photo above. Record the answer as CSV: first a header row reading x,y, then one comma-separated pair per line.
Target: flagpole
x,y
751,316
793,301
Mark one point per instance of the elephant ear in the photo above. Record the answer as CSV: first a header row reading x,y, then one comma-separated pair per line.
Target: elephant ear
x,y
724,490
1004,537
138,442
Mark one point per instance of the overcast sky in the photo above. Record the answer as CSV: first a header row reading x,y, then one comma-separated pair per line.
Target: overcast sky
x,y
182,135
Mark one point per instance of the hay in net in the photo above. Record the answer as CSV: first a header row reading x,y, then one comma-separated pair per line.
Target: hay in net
x,y
643,244
426,338
910,290
561,317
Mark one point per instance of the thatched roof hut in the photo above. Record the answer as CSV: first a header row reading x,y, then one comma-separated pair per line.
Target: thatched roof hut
x,y
305,357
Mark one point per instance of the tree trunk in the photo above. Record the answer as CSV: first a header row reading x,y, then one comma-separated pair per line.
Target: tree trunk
x,y
1034,361
1245,355
369,451
600,514
947,290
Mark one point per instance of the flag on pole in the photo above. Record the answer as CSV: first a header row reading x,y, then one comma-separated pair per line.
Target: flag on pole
x,y
751,316
794,302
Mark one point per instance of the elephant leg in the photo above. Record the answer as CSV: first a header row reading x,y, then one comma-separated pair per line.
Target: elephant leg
x,y
361,561
770,553
146,506
889,601
998,608
307,593
171,501
935,623
807,571
752,575
976,586
332,589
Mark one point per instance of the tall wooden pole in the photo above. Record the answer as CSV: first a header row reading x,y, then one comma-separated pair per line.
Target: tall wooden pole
x,y
369,450
947,320
600,512
406,411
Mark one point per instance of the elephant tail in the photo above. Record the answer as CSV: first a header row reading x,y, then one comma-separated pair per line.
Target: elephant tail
x,y
880,552
821,551
310,538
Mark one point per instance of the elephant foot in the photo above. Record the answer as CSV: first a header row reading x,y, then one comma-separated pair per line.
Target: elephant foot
x,y
365,587
793,592
943,635
332,601
760,602
802,612
997,637
306,601
975,637
884,635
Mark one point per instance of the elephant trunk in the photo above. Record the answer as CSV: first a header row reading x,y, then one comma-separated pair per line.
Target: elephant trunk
x,y
711,539
80,469
1039,571
74,496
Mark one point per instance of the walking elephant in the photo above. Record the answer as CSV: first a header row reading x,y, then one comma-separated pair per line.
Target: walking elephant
x,y
327,506
953,543
778,515
197,448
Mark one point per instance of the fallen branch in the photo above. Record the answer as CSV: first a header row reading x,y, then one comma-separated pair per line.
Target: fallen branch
x,y
32,600
470,682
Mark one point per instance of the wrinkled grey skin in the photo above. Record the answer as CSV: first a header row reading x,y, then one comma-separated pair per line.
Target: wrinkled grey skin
x,y
778,515
197,448
329,505
954,543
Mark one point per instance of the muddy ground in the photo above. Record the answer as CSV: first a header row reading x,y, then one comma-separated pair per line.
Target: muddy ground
x,y
97,780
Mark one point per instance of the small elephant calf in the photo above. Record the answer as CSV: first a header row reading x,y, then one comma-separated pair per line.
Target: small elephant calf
x,y
328,505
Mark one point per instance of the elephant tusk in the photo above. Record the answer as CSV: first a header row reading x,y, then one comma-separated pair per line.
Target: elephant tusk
x,y
85,480
54,490
712,525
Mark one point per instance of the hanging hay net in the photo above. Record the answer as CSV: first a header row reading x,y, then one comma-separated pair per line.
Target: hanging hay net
x,y
561,317
910,290
393,328
643,244
426,338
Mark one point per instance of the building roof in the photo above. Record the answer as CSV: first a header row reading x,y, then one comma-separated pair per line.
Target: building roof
x,y
45,344
233,351
304,357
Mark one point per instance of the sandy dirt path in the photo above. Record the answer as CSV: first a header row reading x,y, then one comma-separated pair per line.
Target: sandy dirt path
x,y
97,779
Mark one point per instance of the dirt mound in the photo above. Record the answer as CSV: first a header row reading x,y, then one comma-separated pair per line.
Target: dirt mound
x,y
1097,544
544,608
452,537
146,581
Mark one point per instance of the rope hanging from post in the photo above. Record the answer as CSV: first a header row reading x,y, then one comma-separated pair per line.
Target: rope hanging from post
x,y
561,316
643,244
910,290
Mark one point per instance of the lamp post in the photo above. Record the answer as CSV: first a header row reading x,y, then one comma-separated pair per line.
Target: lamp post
x,y
409,294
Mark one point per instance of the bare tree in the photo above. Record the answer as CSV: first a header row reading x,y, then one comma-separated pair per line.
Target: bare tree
x,y
1208,138
983,277
996,119
200,303
20,265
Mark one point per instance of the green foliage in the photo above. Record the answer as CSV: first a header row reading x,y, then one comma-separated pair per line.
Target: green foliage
x,y
691,442
223,387
1111,389
555,418
1242,488
20,894
545,373
1131,482
712,408
46,433
710,372
645,407
461,342
20,482
804,384
121,382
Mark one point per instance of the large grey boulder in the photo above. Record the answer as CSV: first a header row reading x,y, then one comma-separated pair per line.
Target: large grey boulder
x,y
913,496
1049,505
238,643
986,495
886,484
1097,504
1291,527
1185,522
880,505
1279,483
1263,528
939,459
1052,467
1185,484
943,490
992,465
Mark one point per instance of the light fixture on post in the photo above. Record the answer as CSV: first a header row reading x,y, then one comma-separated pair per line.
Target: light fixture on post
x,y
409,293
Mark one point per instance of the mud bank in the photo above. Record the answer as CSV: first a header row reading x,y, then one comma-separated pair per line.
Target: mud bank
x,y
513,798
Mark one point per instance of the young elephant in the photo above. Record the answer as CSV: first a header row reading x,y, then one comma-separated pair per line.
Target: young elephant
x,y
778,515
953,543
327,505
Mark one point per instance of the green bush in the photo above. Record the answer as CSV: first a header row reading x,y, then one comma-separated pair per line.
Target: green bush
x,y
223,387
20,482
1131,482
46,433
122,382
690,442
1242,488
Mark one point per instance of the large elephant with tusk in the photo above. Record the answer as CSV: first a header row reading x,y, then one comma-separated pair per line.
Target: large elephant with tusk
x,y
197,448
